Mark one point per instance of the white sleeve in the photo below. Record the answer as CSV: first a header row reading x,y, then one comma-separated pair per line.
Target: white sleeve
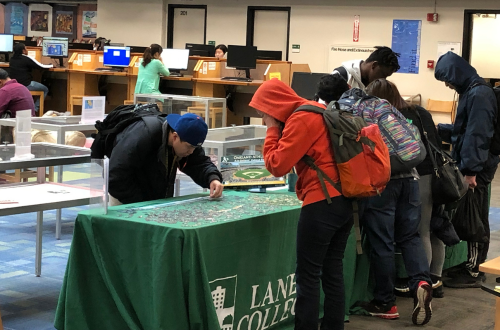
x,y
44,66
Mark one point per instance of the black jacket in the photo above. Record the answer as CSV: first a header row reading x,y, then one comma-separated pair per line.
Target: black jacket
x,y
473,129
20,69
139,162
426,167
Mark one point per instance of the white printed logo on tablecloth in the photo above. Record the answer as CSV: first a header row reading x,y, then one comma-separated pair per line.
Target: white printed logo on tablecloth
x,y
224,297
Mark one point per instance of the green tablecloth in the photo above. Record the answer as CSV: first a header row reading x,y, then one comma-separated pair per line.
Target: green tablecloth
x,y
189,265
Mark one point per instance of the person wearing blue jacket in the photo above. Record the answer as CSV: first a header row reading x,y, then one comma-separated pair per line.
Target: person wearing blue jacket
x,y
470,136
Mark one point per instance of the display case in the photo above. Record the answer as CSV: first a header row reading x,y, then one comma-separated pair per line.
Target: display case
x,y
212,110
246,140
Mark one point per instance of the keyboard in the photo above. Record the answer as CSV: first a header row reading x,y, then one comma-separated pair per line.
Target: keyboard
x,y
236,79
176,74
109,69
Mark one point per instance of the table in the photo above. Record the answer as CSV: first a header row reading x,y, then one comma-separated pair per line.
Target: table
x,y
492,267
208,265
40,195
61,125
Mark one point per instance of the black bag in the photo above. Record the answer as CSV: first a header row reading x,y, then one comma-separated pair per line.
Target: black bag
x,y
115,122
448,183
442,227
467,220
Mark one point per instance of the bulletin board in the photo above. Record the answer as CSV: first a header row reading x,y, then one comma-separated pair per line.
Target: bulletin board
x,y
406,41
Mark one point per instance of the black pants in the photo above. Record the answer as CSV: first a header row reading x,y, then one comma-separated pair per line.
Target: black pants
x,y
477,252
322,235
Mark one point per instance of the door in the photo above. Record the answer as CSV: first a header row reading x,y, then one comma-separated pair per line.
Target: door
x,y
268,28
186,24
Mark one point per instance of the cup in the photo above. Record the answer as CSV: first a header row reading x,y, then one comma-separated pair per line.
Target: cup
x,y
292,180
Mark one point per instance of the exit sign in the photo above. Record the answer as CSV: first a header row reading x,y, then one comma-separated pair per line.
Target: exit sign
x,y
295,48
211,43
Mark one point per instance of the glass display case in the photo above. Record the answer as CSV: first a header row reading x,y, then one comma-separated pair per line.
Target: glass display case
x,y
246,140
212,110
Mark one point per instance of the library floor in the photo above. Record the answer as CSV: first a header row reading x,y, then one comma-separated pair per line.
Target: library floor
x,y
28,302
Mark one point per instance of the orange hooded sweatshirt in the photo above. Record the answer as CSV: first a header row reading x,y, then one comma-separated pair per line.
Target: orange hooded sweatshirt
x,y
305,133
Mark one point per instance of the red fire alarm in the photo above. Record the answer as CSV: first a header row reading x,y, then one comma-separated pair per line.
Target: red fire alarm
x,y
432,17
430,64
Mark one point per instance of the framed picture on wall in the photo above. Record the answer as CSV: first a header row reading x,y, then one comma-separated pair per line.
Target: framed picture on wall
x,y
64,22
16,18
39,21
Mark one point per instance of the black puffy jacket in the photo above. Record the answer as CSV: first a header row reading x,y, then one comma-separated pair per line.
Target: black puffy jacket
x,y
473,129
139,162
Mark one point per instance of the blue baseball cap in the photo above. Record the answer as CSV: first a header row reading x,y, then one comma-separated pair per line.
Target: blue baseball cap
x,y
191,128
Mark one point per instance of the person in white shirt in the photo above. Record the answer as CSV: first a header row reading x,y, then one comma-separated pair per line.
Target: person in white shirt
x,y
382,63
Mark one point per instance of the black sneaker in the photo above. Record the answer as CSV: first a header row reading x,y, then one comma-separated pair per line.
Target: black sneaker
x,y
384,311
437,287
401,288
422,310
466,280
460,272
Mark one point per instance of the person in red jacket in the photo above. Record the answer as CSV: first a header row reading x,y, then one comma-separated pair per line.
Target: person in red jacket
x,y
323,228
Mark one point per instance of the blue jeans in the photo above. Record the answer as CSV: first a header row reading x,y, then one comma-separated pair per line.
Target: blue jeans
x,y
394,217
36,86
322,235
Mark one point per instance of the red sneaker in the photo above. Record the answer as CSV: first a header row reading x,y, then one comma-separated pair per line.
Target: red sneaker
x,y
422,311
384,311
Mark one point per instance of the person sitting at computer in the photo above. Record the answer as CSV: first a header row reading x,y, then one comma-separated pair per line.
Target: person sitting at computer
x,y
21,67
13,97
148,79
220,51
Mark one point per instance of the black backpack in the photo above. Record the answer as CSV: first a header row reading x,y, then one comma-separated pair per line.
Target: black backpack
x,y
115,122
342,72
495,141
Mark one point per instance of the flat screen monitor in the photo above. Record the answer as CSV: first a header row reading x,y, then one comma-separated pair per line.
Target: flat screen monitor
x,y
175,59
201,50
55,47
305,84
137,49
78,45
275,55
242,57
6,42
116,56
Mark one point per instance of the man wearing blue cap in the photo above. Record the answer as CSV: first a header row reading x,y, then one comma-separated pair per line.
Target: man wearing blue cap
x,y
148,153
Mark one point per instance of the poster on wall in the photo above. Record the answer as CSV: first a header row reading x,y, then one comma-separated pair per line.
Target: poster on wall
x,y
64,22
89,21
17,20
40,21
406,41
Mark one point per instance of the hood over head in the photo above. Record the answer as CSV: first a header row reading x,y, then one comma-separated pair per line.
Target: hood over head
x,y
278,100
456,71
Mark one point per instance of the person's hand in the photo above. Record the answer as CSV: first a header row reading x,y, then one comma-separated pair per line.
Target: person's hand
x,y
471,181
216,189
270,121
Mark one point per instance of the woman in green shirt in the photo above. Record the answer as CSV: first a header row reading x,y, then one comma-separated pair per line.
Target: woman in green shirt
x,y
150,69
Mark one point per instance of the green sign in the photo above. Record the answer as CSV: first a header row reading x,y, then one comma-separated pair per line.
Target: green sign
x,y
211,43
295,46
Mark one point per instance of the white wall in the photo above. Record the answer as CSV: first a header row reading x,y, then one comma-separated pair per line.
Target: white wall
x,y
315,25
132,22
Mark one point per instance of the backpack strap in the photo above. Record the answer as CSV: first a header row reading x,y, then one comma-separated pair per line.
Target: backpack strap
x,y
342,72
322,177
357,229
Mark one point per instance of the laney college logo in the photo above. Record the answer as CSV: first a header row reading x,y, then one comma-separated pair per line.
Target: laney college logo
x,y
224,296
276,306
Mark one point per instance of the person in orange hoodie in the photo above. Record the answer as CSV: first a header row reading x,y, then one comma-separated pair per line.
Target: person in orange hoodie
x,y
323,228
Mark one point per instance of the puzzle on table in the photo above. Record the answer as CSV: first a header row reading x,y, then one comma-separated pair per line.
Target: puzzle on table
x,y
202,211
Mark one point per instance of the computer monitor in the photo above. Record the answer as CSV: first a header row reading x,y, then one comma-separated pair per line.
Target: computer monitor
x,y
6,43
241,58
137,49
55,48
78,45
201,50
305,84
175,60
116,56
275,55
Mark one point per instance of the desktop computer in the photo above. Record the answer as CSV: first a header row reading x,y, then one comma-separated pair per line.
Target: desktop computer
x,y
241,58
55,48
201,50
138,49
305,84
115,58
6,45
175,60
